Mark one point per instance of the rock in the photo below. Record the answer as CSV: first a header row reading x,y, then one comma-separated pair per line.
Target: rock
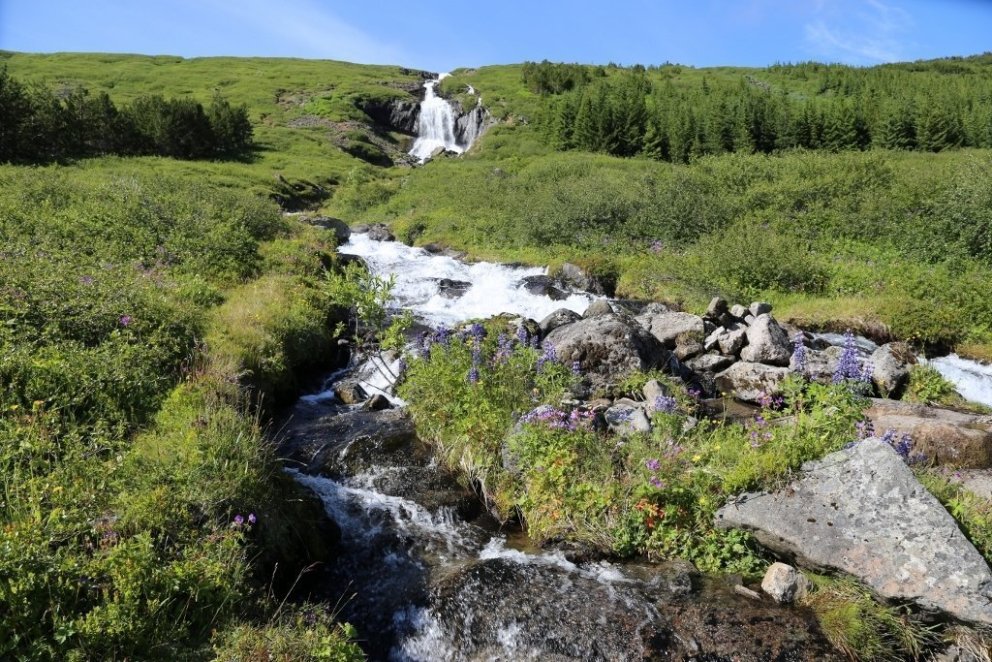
x,y
738,311
890,367
749,381
666,327
759,308
577,278
350,392
340,229
717,308
396,114
377,402
320,444
732,340
976,481
740,589
942,436
784,583
452,289
766,342
544,286
688,345
627,416
654,390
560,317
861,511
597,308
380,232
609,347
709,363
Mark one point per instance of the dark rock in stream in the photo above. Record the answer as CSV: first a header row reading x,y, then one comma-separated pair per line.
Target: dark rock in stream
x,y
544,286
504,609
452,289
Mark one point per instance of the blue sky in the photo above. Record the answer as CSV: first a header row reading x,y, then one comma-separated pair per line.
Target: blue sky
x,y
443,35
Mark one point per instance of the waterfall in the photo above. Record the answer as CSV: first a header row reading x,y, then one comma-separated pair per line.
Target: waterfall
x,y
439,125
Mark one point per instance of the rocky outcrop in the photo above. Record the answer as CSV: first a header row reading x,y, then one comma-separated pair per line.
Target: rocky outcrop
x,y
766,341
578,278
668,326
394,114
560,317
626,416
750,381
544,286
607,347
890,367
862,512
941,436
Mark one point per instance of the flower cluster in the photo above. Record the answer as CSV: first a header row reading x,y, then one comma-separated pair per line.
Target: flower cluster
x,y
770,401
901,443
557,419
549,356
654,465
799,358
664,404
849,368
240,521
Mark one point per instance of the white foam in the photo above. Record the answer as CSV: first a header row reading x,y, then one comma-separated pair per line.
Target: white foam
x,y
972,380
495,288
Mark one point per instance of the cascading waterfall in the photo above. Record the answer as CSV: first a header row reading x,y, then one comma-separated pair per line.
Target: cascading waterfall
x,y
439,127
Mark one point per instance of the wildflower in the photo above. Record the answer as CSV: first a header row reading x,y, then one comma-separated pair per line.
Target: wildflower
x,y
865,429
697,457
551,417
126,320
847,366
549,356
657,246
442,335
656,482
576,367
798,361
251,518
473,375
652,464
665,404
522,335
86,280
477,331
902,444
760,421
239,520
504,348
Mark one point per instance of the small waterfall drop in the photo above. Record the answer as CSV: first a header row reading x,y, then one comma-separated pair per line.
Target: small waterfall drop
x,y
438,125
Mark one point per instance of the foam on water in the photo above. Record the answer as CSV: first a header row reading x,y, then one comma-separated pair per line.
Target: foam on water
x,y
973,380
495,288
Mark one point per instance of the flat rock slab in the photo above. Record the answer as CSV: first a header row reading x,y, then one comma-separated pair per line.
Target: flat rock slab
x,y
943,436
861,511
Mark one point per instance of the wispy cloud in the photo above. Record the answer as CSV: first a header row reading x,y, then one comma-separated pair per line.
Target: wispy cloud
x,y
858,32
307,29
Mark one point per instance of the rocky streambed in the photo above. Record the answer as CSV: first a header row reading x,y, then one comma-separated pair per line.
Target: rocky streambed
x,y
425,574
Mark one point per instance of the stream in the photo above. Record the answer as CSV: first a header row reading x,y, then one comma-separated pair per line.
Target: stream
x,y
425,574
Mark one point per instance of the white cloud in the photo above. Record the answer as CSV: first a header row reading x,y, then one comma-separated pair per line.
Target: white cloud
x,y
309,30
862,32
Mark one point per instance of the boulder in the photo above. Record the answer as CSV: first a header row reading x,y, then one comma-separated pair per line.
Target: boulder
x,y
452,289
350,392
654,390
578,278
560,317
667,326
709,363
380,232
738,311
732,340
597,308
767,342
890,367
688,345
759,308
544,286
784,583
627,416
976,481
749,381
942,436
377,402
861,511
717,308
340,229
608,347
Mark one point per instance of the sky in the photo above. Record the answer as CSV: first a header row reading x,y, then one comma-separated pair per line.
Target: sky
x,y
442,35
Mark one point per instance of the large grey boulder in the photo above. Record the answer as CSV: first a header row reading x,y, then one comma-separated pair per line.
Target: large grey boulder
x,y
627,416
941,436
749,381
861,511
578,278
668,326
890,367
766,342
560,317
732,340
607,347
597,308
709,363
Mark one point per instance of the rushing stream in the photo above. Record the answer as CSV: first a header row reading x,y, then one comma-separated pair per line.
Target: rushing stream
x,y
425,574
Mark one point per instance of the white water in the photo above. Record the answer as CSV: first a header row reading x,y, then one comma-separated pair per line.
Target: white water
x,y
972,379
436,124
495,288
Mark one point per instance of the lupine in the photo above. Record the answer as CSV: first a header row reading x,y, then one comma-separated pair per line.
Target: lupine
x,y
847,366
865,429
653,464
549,356
504,348
522,335
477,331
473,375
901,444
798,361
551,417
665,404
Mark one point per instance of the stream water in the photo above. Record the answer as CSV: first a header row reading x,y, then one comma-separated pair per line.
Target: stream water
x,y
424,574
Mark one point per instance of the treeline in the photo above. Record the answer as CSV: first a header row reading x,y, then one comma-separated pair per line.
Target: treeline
x,y
37,125
636,111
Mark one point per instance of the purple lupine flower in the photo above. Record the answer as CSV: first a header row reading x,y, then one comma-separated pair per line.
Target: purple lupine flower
x,y
760,421
865,429
442,335
239,520
522,335
665,404
799,359
652,463
902,444
125,320
504,348
473,375
549,356
847,366
477,331
251,518
657,246
535,342
549,416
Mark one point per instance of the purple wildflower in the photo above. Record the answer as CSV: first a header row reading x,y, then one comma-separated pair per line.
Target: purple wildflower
x,y
865,429
239,520
549,416
656,482
798,361
657,246
442,335
477,331
576,367
902,444
522,335
848,366
504,348
126,320
473,375
549,356
665,404
653,464
251,518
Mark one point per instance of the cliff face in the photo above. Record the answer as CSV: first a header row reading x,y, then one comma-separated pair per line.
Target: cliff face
x,y
395,114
